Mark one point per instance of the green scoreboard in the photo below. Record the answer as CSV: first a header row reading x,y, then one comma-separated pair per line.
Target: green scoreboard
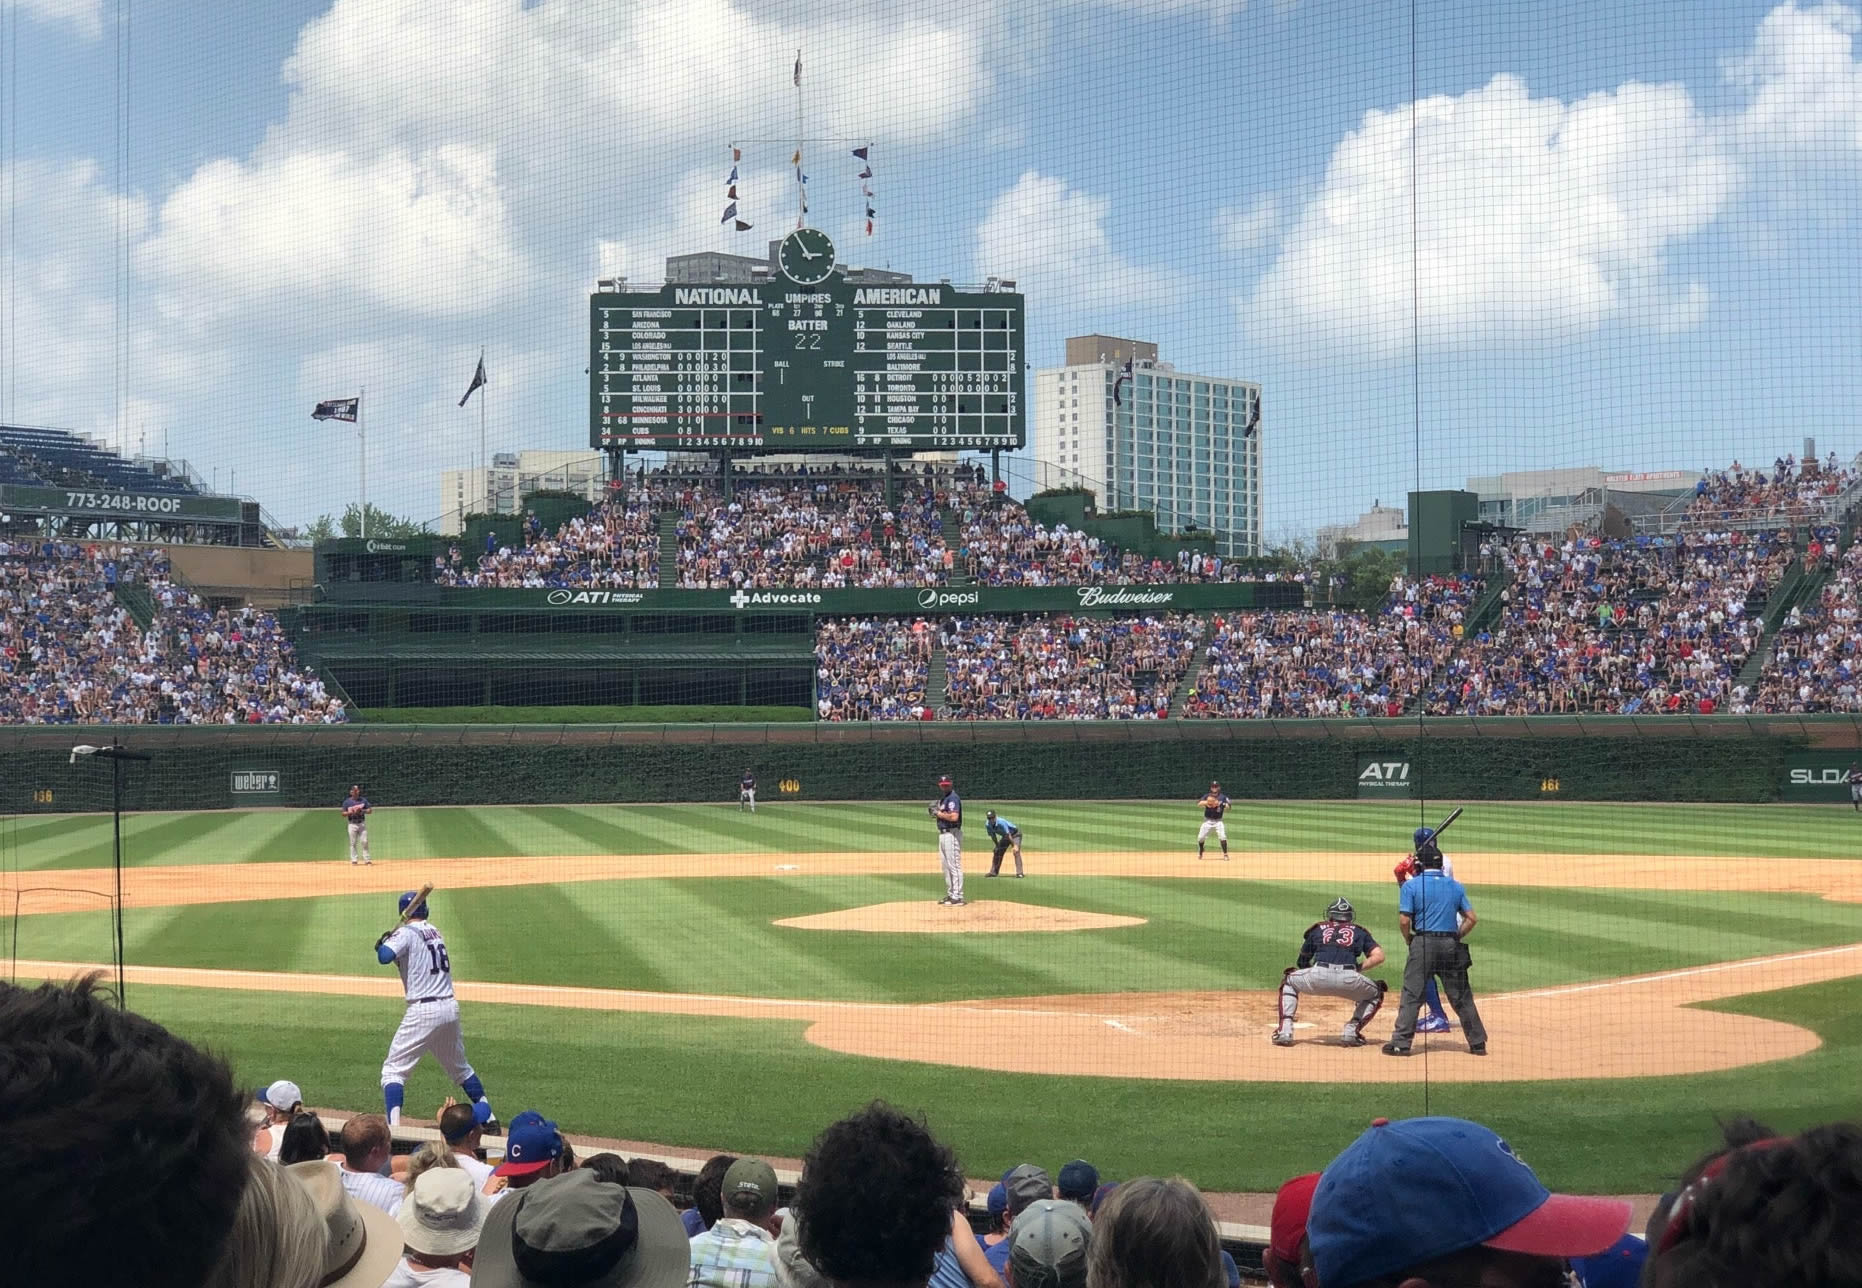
x,y
806,361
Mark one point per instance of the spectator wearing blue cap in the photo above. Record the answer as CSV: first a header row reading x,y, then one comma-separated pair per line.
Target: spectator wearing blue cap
x,y
1025,1186
1077,1181
998,1206
1445,1203
533,1151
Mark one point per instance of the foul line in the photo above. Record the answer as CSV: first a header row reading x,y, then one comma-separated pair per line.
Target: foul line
x,y
1663,976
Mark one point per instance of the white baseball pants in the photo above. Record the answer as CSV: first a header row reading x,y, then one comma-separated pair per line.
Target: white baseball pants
x,y
950,851
359,836
428,1028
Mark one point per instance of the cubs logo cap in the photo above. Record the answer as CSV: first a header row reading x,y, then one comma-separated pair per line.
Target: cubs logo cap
x,y
532,1145
1479,1193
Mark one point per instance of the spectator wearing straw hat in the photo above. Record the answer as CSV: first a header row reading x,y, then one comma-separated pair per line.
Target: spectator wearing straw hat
x,y
440,1223
362,1243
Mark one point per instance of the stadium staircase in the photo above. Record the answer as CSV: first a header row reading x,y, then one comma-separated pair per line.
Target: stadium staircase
x,y
937,678
953,541
1798,586
668,550
135,599
1486,610
1180,696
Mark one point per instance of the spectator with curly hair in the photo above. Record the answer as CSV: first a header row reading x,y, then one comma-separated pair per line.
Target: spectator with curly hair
x,y
128,1148
1155,1233
877,1199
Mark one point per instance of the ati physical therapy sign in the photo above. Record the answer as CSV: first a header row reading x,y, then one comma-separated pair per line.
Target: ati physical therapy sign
x,y
1383,776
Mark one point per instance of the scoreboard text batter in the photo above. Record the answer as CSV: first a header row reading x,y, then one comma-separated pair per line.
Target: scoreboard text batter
x,y
781,366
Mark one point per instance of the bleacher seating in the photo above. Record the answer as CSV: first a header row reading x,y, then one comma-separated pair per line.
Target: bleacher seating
x,y
59,458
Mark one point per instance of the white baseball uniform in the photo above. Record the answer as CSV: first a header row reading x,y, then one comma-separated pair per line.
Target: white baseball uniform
x,y
358,828
950,846
431,1023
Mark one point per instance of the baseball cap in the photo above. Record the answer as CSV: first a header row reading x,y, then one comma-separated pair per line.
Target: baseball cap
x,y
998,1199
282,1095
1364,1224
530,1146
752,1176
1025,1185
1618,1266
1078,1180
1231,1272
576,1229
1292,1206
944,781
442,1214
1047,1247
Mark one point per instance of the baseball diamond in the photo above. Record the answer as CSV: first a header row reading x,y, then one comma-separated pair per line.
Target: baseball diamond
x,y
574,931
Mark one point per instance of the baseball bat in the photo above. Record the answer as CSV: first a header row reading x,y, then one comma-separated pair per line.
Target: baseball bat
x,y
418,899
1442,826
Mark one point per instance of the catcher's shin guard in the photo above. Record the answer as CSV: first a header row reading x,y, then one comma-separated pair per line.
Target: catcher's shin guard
x,y
1289,999
1368,1010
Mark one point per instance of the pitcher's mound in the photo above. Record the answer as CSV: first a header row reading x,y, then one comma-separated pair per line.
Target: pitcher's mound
x,y
923,917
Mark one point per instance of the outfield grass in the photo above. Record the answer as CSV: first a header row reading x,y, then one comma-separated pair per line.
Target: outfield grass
x,y
754,1086
585,715
1255,829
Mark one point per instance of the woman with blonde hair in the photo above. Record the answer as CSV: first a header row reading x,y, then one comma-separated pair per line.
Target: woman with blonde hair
x,y
435,1153
1155,1233
277,1238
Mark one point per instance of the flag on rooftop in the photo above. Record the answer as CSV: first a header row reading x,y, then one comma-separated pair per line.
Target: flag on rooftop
x,y
336,409
478,381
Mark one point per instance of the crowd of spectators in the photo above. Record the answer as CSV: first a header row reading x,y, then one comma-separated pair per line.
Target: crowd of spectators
x,y
1067,668
1343,664
164,1186
1789,494
71,653
1651,625
1816,662
614,546
824,533
872,668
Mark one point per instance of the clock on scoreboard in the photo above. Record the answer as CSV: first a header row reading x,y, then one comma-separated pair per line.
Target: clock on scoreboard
x,y
807,361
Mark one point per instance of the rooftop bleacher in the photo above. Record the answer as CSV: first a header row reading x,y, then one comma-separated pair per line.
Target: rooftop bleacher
x,y
38,457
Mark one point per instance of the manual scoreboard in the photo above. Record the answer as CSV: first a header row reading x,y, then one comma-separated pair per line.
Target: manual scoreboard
x,y
806,361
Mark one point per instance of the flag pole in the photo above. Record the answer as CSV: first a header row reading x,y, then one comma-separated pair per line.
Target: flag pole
x,y
801,189
484,458
363,434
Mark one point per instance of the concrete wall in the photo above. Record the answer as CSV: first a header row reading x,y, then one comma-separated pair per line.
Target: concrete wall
x,y
263,577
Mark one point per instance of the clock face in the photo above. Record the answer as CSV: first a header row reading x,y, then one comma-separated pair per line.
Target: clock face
x,y
806,257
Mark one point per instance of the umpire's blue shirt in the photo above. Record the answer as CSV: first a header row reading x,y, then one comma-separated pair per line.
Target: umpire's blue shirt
x,y
1434,901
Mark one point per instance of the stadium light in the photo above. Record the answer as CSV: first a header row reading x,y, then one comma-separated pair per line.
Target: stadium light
x,y
116,754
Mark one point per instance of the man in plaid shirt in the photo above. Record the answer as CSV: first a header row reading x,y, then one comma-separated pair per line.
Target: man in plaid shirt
x,y
740,1250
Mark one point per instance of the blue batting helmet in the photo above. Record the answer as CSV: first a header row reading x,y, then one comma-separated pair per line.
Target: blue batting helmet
x,y
1423,836
407,899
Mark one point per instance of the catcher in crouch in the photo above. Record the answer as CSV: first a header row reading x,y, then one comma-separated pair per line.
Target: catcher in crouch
x,y
1328,967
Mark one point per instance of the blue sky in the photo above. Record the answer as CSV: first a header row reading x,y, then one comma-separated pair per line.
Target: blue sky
x,y
1636,221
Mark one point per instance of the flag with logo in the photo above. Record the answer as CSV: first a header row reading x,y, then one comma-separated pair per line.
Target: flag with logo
x,y
336,409
730,213
1118,385
478,381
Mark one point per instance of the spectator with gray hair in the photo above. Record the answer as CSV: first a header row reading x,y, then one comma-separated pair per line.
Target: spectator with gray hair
x,y
1155,1233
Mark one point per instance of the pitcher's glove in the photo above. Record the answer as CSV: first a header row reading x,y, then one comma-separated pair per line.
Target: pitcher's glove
x,y
931,808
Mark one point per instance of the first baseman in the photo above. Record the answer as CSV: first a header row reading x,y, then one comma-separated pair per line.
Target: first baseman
x,y
356,809
1215,805
430,1025
1328,967
1005,835
948,812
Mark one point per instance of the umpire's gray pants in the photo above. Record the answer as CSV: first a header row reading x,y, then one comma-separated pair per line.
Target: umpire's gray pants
x,y
1440,956
950,850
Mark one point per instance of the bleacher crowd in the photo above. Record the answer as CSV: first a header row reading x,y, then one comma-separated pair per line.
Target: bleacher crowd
x,y
1067,668
134,1161
71,652
1790,493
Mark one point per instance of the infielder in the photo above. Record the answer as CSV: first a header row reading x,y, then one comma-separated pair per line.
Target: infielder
x,y
948,813
1436,1021
1005,835
1328,967
431,1023
356,809
1215,805
1855,785
746,792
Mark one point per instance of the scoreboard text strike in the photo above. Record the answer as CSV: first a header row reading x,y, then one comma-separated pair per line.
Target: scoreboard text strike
x,y
777,366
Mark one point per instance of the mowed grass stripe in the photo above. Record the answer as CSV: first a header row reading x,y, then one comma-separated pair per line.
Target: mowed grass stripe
x,y
550,935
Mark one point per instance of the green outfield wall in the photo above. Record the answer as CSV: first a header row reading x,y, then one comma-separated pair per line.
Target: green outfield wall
x,y
1689,759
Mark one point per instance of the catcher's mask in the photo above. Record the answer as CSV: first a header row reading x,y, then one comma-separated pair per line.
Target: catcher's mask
x,y
1340,910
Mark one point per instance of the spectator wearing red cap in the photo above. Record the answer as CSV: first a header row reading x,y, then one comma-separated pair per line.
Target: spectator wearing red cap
x,y
1288,1257
532,1152
1445,1203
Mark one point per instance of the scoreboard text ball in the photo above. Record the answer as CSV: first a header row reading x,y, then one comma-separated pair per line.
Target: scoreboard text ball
x,y
789,365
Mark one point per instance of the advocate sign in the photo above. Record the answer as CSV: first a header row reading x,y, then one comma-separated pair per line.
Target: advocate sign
x,y
929,600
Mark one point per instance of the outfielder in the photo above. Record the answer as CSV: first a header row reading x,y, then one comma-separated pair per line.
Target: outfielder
x,y
431,1023
1436,1021
356,809
1855,785
1328,967
1215,805
948,813
1005,835
746,792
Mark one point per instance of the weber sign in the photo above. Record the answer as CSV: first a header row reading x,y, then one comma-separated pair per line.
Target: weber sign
x,y
250,785
1384,776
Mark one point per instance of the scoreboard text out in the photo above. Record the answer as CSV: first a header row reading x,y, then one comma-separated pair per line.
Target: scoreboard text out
x,y
779,367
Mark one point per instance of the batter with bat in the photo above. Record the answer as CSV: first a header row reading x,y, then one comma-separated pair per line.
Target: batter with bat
x,y
356,809
431,1024
1436,917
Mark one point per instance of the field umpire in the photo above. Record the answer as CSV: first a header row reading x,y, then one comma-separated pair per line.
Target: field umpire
x,y
1436,917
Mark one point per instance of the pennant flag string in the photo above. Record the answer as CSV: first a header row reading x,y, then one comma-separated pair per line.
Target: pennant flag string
x,y
730,193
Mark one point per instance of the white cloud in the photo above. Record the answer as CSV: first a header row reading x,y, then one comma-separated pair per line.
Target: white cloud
x,y
1537,221
1802,79
1052,239
1247,230
84,16
425,236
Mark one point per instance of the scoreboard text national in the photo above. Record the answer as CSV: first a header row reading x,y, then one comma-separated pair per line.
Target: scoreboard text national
x,y
806,362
